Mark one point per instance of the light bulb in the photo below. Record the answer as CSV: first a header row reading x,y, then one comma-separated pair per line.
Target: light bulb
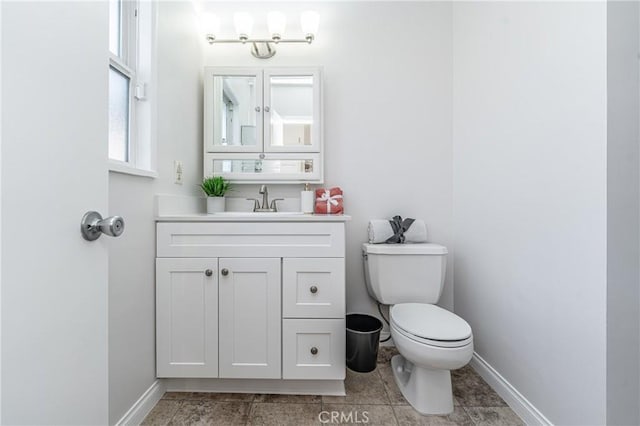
x,y
277,23
210,24
309,21
244,25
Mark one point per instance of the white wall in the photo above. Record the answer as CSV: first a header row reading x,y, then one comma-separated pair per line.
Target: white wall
x,y
1,100
180,69
387,144
623,345
131,293
132,256
530,206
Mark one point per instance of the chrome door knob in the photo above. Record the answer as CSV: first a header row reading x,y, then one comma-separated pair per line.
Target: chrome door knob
x,y
225,272
93,225
313,289
112,226
257,109
314,351
208,272
267,109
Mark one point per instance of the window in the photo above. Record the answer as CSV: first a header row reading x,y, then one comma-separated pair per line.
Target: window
x,y
130,36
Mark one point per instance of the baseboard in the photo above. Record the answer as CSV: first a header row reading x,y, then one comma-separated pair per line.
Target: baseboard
x,y
143,405
518,403
275,386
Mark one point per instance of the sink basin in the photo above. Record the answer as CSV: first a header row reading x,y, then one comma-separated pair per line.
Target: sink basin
x,y
256,214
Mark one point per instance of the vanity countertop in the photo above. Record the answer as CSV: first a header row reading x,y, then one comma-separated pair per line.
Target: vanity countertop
x,y
253,217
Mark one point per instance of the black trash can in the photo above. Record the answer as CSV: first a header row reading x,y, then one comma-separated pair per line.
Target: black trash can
x,y
363,339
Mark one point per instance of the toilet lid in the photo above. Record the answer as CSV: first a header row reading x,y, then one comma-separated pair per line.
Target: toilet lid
x,y
430,322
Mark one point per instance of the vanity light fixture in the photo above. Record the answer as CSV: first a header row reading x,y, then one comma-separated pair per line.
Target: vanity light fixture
x,y
262,48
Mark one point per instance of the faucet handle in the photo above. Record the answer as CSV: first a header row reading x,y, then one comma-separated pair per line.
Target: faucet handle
x,y
256,203
273,205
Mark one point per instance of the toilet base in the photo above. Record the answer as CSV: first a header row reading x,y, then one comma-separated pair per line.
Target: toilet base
x,y
428,391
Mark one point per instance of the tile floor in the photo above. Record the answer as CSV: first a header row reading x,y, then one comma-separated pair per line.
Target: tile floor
x,y
372,399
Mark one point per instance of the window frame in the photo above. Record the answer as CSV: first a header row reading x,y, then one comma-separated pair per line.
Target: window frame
x,y
136,61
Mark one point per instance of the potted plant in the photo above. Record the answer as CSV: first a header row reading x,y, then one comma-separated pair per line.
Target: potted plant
x,y
215,187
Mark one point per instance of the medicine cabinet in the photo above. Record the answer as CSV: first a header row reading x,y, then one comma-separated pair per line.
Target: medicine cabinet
x,y
263,124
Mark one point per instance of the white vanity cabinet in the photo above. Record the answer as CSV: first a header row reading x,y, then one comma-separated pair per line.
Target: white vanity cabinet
x,y
253,300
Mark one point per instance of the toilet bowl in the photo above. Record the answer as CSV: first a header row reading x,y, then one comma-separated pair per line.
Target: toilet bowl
x,y
439,341
431,340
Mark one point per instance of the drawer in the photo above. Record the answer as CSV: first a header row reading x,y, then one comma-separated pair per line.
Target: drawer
x,y
313,288
313,349
250,239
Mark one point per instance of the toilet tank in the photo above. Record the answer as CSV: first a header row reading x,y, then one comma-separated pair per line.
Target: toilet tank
x,y
402,273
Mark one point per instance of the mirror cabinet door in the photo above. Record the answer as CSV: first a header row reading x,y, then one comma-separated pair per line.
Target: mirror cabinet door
x,y
235,112
292,111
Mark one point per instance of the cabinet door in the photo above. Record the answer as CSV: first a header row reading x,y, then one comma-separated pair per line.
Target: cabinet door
x,y
187,317
292,110
233,114
250,330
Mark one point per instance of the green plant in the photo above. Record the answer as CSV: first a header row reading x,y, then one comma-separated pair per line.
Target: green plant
x,y
215,186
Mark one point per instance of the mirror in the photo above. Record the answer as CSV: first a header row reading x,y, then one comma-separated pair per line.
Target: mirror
x,y
291,110
235,100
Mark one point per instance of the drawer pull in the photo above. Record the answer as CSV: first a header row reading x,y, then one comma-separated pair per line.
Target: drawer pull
x,y
208,272
314,351
225,272
313,289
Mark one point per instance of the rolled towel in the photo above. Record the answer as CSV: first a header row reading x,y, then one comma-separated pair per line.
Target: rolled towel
x,y
380,231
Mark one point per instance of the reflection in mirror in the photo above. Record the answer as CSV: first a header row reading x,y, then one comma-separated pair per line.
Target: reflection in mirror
x,y
234,115
263,166
291,110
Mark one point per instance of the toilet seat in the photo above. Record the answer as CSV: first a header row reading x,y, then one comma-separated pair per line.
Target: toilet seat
x,y
430,325
434,343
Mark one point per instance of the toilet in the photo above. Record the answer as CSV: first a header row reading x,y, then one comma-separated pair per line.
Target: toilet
x,y
431,340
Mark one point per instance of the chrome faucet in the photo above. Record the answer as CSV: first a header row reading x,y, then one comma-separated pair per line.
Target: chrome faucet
x,y
266,207
265,196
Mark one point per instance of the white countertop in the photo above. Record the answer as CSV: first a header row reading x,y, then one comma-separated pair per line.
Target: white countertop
x,y
253,217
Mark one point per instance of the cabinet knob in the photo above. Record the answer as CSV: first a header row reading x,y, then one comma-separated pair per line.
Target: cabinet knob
x,y
257,109
225,272
266,108
313,289
208,272
314,350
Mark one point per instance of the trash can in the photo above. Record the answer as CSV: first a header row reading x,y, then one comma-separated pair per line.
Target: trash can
x,y
363,339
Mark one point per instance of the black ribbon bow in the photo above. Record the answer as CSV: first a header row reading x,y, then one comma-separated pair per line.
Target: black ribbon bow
x,y
399,227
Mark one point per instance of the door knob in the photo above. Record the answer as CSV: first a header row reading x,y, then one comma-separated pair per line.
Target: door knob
x,y
313,289
225,272
93,225
314,351
267,109
208,272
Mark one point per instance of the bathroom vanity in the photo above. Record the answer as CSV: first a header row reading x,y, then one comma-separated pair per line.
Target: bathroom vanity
x,y
251,302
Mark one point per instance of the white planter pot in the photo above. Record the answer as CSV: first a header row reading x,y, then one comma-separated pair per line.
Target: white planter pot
x,y
215,204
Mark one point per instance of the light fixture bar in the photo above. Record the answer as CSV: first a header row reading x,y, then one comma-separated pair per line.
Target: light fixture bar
x,y
213,40
262,48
